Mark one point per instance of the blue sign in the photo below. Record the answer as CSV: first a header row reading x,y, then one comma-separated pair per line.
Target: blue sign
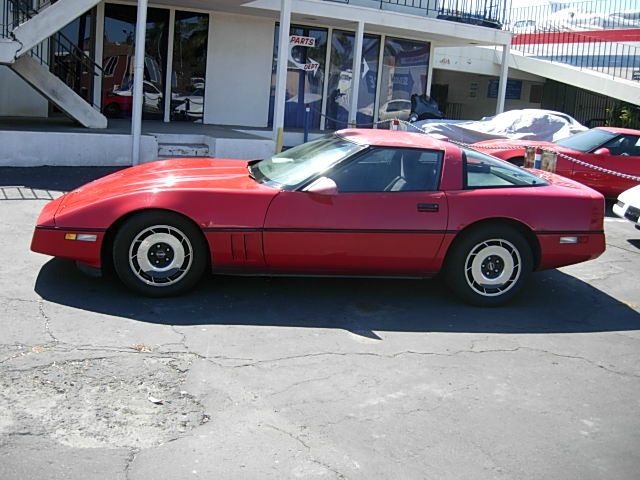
x,y
635,75
514,89
402,82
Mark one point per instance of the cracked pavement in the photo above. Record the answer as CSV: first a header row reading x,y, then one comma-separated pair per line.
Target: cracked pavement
x,y
312,378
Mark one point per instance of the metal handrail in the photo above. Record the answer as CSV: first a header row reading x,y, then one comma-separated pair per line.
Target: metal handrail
x,y
584,51
586,15
487,13
65,59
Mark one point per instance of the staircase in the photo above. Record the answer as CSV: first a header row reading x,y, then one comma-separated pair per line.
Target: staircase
x,y
34,48
595,51
587,60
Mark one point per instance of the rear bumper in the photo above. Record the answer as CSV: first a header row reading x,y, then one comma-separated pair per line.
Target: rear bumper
x,y
554,252
51,241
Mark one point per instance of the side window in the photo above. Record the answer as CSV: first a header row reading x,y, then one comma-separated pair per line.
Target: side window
x,y
390,170
110,66
624,145
484,171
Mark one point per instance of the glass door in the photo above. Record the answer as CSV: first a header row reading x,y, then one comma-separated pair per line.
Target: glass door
x,y
191,34
305,75
118,61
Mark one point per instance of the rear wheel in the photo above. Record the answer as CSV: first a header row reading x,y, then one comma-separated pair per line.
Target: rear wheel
x,y
489,265
159,254
113,110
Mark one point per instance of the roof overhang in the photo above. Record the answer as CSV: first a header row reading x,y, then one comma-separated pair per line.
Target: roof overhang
x,y
444,33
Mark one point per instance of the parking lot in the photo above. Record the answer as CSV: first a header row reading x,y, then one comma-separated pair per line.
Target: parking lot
x,y
278,378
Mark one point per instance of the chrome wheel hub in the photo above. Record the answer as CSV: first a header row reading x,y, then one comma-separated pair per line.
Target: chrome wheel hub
x,y
160,255
493,267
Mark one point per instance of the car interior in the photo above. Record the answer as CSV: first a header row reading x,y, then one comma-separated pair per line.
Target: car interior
x,y
390,170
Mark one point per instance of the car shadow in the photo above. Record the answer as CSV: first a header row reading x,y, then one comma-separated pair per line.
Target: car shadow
x,y
60,179
553,302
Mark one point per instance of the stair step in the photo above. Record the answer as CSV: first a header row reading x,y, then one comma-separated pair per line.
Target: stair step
x,y
183,150
57,92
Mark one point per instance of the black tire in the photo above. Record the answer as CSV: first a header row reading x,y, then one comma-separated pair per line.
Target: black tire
x,y
113,110
167,239
517,161
490,253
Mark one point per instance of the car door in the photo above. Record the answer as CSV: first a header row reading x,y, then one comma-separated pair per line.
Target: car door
x,y
621,154
387,217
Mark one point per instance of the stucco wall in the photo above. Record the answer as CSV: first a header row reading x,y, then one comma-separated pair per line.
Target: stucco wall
x,y
17,98
32,149
239,70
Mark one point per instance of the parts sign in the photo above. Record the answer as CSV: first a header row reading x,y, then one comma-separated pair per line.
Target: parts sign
x,y
295,40
305,42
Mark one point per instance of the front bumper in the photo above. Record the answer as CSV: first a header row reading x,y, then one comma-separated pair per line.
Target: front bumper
x,y
58,242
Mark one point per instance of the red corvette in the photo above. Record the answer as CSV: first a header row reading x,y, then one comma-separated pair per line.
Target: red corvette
x,y
616,149
359,202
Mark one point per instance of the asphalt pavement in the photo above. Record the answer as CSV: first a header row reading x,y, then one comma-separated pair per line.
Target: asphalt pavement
x,y
276,378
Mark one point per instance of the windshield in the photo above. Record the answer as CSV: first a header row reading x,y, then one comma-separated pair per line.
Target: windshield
x,y
293,167
586,141
485,171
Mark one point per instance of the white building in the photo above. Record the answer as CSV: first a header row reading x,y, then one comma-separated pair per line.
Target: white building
x,y
215,83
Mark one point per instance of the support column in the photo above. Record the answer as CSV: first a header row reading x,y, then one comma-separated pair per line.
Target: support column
x,y
432,57
504,75
355,77
98,52
281,74
169,74
138,81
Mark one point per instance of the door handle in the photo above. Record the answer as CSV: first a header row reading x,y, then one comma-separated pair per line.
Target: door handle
x,y
428,207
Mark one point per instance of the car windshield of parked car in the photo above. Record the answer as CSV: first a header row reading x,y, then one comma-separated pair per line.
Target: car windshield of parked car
x,y
485,171
586,141
293,167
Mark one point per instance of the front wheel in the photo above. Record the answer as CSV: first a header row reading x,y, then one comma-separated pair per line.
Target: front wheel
x,y
159,254
489,265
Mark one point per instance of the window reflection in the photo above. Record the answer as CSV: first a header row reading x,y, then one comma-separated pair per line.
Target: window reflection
x,y
66,60
404,72
305,75
340,80
189,66
118,60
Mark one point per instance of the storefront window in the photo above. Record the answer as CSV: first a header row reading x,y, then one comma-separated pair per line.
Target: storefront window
x,y
189,66
404,72
340,80
118,59
305,76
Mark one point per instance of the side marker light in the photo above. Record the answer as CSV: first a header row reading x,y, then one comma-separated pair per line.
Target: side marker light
x,y
568,239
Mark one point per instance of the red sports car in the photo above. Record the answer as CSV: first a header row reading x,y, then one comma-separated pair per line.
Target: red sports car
x,y
358,202
616,149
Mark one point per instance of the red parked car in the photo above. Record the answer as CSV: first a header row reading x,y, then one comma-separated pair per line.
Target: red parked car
x,y
358,202
616,149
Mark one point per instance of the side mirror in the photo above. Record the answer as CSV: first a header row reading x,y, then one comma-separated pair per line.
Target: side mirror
x,y
602,151
323,186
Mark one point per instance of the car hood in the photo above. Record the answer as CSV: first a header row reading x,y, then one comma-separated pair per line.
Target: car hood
x,y
175,174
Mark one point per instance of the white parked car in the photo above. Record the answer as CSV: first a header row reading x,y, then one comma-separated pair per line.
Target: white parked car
x,y
628,205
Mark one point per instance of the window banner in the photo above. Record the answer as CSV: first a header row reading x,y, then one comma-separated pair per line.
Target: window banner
x,y
297,58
